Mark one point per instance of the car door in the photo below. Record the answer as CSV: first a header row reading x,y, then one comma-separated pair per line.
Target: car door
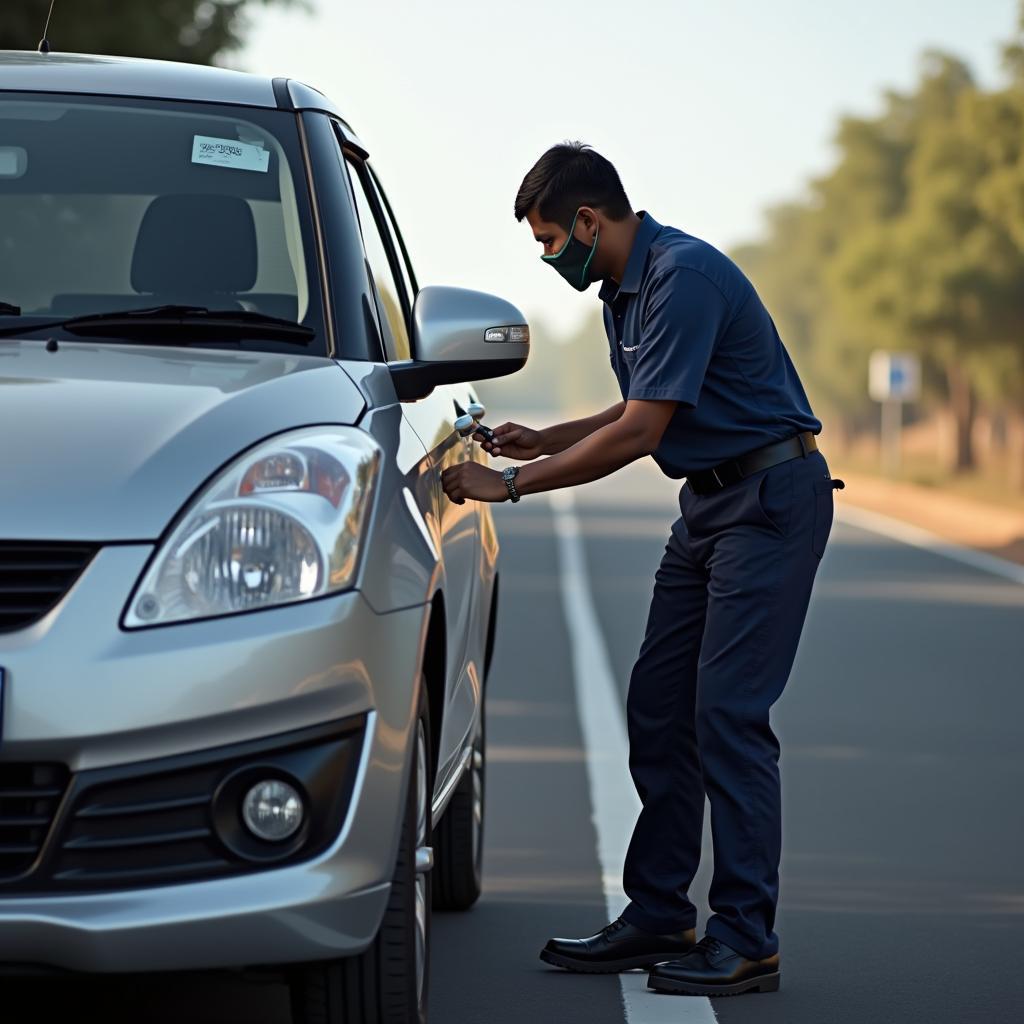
x,y
433,420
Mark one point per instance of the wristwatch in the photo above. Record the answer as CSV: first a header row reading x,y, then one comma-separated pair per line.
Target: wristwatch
x,y
509,474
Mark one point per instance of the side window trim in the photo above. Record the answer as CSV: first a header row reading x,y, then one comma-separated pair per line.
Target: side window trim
x,y
357,335
388,284
397,233
351,159
383,330
356,165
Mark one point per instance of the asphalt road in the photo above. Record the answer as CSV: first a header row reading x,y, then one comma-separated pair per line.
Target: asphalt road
x,y
902,889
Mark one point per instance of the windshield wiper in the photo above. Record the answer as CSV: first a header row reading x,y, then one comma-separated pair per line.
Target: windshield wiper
x,y
163,323
9,309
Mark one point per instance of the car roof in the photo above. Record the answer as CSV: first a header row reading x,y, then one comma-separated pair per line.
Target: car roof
x,y
99,75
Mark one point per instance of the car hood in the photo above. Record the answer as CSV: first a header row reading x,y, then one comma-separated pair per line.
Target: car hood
x,y
106,442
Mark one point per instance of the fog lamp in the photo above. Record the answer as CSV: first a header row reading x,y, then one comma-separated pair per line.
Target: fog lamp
x,y
273,810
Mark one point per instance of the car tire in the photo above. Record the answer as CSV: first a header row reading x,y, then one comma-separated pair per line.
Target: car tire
x,y
388,984
459,836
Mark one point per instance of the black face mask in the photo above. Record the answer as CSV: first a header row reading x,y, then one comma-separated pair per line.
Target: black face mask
x,y
573,260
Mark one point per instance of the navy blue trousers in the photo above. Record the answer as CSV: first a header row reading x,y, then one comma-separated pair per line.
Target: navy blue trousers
x,y
729,602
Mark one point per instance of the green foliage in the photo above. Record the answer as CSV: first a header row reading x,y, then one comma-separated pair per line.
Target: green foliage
x,y
196,31
914,240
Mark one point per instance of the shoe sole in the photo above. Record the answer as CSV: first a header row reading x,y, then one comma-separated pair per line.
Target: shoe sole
x,y
608,966
762,983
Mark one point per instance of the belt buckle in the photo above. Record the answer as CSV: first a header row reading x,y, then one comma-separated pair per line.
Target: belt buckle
x,y
718,479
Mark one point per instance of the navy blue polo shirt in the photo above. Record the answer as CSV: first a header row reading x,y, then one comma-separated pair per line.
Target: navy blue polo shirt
x,y
686,324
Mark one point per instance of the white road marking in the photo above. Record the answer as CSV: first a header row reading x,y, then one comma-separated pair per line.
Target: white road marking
x,y
613,797
896,529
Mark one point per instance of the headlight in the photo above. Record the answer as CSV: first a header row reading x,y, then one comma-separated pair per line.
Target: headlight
x,y
283,523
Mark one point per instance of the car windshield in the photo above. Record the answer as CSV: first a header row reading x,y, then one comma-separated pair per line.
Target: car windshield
x,y
109,205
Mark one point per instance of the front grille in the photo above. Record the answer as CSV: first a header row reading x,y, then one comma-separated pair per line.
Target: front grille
x,y
34,576
29,794
174,819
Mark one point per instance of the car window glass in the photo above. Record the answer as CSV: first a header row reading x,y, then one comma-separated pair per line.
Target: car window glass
x,y
164,202
389,290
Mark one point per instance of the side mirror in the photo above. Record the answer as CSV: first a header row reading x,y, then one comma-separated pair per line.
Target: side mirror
x,y
460,335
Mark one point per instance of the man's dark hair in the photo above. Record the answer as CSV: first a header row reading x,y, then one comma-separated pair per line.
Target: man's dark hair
x,y
568,176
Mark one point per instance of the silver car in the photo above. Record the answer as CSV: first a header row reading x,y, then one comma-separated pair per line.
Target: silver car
x,y
244,636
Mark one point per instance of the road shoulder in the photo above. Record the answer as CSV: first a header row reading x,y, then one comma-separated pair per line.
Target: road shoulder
x,y
983,526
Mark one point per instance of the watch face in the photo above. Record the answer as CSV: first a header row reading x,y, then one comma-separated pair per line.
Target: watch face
x,y
509,474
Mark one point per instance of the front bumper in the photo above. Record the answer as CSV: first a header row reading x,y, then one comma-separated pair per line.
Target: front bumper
x,y
107,703
306,912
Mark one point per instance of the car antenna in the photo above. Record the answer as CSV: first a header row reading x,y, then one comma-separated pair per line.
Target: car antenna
x,y
44,43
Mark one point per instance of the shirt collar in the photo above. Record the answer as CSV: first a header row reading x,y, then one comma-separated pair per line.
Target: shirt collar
x,y
630,283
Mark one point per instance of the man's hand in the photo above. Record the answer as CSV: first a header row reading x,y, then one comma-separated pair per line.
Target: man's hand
x,y
471,480
514,441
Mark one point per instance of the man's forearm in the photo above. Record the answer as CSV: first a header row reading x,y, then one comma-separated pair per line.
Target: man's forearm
x,y
606,449
560,436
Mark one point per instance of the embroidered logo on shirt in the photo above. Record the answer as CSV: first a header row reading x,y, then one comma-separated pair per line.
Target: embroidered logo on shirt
x,y
630,348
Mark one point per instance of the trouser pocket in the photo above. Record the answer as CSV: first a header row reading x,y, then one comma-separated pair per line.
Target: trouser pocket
x,y
774,496
823,511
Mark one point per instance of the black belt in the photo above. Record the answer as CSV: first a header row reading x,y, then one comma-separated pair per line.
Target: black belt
x,y
707,481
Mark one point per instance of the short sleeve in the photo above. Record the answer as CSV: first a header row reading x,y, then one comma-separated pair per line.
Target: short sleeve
x,y
684,314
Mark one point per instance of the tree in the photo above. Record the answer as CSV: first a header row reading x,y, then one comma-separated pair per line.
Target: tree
x,y
1013,51
913,240
196,31
794,268
1000,132
904,280
947,275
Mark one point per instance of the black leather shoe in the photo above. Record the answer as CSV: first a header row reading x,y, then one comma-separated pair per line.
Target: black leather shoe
x,y
618,946
712,968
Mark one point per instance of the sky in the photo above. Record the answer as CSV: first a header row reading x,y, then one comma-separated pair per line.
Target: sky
x,y
711,112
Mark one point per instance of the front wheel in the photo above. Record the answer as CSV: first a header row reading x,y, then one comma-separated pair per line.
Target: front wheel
x,y
388,984
459,837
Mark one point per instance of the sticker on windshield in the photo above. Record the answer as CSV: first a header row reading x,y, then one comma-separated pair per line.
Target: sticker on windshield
x,y
13,160
243,156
